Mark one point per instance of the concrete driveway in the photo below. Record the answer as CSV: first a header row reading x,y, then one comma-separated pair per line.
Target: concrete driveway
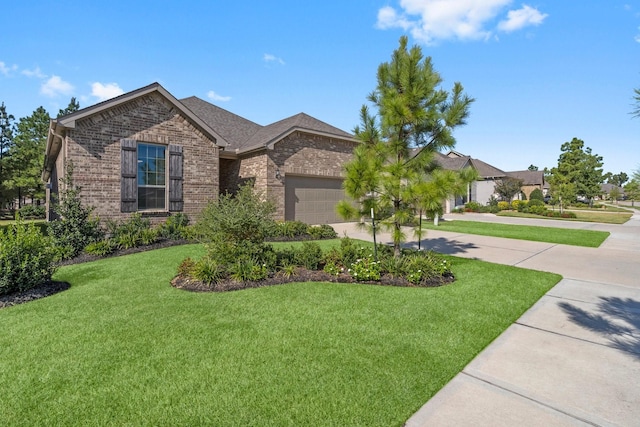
x,y
573,358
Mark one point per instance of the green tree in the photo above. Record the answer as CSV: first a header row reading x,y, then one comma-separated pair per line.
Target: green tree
x,y
6,141
632,191
532,167
73,106
507,188
26,153
618,179
415,117
580,168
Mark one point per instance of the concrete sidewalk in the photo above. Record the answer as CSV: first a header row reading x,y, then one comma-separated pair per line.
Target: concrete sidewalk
x,y
573,358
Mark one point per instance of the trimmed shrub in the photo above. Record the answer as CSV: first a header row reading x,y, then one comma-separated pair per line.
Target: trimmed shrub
x,y
27,258
536,194
522,205
503,206
472,207
515,204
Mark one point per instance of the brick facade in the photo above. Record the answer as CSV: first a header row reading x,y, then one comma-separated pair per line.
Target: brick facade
x,y
94,148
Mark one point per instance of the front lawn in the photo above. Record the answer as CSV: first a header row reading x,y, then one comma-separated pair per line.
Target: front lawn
x,y
122,347
586,216
565,236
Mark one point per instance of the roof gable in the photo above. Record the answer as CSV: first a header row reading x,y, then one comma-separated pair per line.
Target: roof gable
x,y
69,121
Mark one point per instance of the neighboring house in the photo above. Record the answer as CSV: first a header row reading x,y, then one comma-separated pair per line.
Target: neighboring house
x,y
605,191
148,152
480,190
530,181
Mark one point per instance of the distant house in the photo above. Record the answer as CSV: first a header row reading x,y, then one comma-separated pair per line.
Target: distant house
x,y
482,190
605,191
531,180
148,152
478,191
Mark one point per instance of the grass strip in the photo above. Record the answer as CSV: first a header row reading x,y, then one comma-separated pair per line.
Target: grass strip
x,y
122,347
584,216
564,236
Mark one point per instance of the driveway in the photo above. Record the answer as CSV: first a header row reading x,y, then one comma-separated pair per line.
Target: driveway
x,y
571,359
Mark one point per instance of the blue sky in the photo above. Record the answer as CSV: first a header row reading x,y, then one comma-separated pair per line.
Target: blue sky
x,y
541,72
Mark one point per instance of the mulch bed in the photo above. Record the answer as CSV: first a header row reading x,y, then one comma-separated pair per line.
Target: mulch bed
x,y
33,294
300,275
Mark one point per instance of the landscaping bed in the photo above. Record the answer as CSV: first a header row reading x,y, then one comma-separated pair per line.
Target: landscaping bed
x,y
300,274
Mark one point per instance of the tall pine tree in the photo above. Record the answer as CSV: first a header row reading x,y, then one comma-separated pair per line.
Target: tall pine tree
x,y
415,117
6,141
25,161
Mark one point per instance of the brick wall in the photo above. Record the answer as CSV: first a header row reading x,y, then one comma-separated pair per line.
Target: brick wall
x,y
304,154
94,148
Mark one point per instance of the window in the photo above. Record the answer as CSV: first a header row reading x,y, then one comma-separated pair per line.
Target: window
x,y
151,177
145,184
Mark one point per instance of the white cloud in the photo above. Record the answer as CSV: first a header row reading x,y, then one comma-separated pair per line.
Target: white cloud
x,y
105,91
518,19
215,97
432,20
7,69
272,58
36,72
56,86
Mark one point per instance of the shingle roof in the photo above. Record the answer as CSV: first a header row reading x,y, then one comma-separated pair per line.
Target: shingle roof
x,y
245,135
528,177
460,161
233,128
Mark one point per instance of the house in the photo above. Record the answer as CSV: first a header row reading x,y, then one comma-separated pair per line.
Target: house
x,y
531,180
146,151
480,190
483,189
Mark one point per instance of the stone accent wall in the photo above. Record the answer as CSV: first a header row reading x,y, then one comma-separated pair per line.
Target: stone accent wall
x,y
94,148
304,154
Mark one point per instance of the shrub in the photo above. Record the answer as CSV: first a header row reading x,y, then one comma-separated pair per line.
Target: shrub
x,y
535,202
26,258
243,217
149,236
175,227
422,267
101,247
186,266
350,251
536,194
324,231
365,269
503,206
248,270
472,207
309,255
205,270
522,205
32,212
333,269
74,229
537,210
515,204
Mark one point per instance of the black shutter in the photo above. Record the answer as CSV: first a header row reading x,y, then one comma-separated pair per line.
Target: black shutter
x,y
128,181
176,202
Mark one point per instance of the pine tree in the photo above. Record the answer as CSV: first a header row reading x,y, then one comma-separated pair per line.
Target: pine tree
x,y
6,141
414,119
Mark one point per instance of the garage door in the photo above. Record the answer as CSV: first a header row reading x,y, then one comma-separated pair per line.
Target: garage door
x,y
312,200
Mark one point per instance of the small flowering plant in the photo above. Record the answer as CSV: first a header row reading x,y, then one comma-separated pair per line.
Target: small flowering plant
x,y
365,269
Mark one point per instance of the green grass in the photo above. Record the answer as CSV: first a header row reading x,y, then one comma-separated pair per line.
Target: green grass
x,y
122,347
40,223
565,236
585,216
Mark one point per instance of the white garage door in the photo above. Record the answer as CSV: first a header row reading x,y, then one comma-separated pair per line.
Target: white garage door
x,y
312,200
